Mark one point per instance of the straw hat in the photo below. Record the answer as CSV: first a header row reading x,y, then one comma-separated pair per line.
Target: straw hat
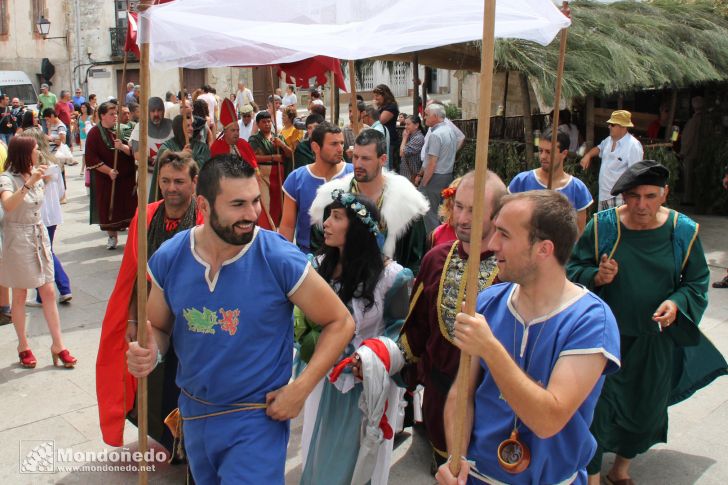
x,y
621,118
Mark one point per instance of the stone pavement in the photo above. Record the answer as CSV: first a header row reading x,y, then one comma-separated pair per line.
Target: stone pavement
x,y
59,405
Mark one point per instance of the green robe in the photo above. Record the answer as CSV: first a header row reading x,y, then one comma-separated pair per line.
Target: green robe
x,y
658,369
303,155
200,153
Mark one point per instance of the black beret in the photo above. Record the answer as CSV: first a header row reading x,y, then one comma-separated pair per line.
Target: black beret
x,y
646,172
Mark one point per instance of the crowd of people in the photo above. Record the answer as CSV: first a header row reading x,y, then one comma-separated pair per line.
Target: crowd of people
x,y
294,267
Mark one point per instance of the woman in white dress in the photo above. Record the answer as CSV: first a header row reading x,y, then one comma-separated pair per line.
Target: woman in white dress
x,y
375,289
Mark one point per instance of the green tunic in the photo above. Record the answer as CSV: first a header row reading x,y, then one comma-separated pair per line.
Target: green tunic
x,y
631,414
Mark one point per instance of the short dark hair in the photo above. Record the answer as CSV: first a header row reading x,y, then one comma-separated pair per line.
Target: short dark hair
x,y
169,96
132,106
319,109
228,166
319,133
563,140
553,218
361,106
106,106
262,115
315,94
369,136
179,160
48,112
314,118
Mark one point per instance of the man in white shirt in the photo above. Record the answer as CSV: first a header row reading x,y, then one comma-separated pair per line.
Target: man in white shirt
x,y
171,105
274,105
290,97
619,151
245,123
209,97
244,98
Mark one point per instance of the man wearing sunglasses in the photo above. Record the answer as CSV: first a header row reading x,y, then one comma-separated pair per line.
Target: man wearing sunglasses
x,y
619,151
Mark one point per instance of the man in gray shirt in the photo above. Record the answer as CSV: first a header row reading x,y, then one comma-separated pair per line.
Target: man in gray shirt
x,y
436,171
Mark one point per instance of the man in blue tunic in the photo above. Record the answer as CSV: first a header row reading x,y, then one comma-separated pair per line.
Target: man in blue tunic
x,y
541,348
537,179
223,294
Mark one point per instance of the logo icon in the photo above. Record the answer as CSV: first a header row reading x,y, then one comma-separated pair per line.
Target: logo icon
x,y
37,456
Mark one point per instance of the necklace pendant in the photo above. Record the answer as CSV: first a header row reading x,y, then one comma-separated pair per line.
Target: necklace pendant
x,y
513,455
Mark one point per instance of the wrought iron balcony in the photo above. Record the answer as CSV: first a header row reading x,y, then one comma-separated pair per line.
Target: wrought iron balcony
x,y
118,39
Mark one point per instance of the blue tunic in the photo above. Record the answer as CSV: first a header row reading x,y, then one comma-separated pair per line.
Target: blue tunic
x,y
234,340
301,186
575,190
585,325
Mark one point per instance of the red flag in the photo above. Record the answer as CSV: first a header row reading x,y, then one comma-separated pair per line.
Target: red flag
x,y
130,45
318,67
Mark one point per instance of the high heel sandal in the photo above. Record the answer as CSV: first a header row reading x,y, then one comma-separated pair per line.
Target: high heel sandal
x,y
66,358
27,359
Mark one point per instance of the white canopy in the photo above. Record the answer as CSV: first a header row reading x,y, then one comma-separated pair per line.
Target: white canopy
x,y
218,33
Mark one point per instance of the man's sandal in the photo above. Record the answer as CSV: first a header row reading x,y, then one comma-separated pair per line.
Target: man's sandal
x,y
624,481
722,283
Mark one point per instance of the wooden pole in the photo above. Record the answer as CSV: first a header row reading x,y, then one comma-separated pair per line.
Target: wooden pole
x,y
182,106
671,116
557,96
415,84
274,116
142,398
527,120
331,98
506,82
473,267
589,136
352,99
425,84
118,135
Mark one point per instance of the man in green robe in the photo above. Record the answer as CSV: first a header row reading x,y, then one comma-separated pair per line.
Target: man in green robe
x,y
647,262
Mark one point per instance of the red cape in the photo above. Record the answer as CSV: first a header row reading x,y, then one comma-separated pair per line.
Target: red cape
x,y
115,387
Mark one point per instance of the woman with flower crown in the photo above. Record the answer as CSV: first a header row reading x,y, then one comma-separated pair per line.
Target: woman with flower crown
x,y
375,289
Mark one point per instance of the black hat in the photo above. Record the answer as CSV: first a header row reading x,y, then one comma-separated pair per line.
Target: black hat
x,y
646,172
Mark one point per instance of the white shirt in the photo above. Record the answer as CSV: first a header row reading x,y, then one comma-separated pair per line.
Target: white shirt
x,y
209,98
171,110
50,210
627,152
289,99
242,98
459,135
246,131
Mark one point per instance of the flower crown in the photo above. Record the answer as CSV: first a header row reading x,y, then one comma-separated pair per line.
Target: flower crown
x,y
349,201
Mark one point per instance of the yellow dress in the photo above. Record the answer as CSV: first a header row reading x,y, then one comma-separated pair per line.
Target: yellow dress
x,y
292,136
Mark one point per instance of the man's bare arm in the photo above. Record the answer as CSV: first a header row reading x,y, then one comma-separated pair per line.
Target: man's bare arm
x,y
287,227
322,306
544,410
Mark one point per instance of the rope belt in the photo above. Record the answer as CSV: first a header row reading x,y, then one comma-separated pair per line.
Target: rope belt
x,y
237,407
174,419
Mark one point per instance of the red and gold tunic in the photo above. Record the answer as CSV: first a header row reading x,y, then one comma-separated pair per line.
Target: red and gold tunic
x,y
426,337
